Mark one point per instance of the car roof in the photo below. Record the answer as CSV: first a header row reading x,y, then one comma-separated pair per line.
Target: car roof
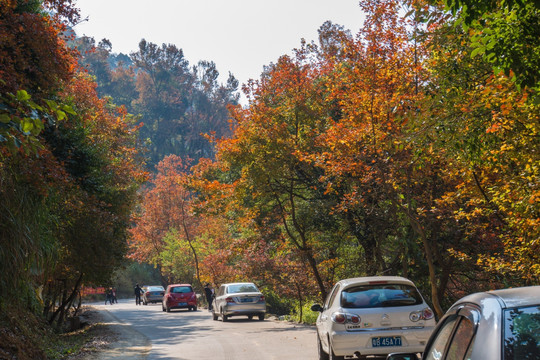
x,y
174,285
508,298
239,283
375,279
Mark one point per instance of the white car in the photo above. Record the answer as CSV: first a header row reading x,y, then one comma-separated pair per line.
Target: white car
x,y
369,316
238,299
491,325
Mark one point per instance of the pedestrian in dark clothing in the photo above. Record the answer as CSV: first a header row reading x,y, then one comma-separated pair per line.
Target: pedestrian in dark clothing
x,y
209,292
108,296
114,299
138,293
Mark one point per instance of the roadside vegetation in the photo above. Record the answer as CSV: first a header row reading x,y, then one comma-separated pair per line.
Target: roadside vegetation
x,y
407,147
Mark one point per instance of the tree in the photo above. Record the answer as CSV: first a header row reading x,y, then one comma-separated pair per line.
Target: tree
x,y
487,125
505,33
166,222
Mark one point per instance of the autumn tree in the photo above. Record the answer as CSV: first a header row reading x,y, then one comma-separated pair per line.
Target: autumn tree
x,y
69,164
487,123
166,226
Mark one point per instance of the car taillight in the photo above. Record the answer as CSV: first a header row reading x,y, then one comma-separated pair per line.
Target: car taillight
x,y
229,300
261,298
424,314
427,314
343,318
339,318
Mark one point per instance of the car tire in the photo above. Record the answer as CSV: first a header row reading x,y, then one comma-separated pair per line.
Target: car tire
x,y
261,317
224,317
331,355
320,350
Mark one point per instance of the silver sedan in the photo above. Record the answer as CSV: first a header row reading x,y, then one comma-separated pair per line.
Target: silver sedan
x,y
237,299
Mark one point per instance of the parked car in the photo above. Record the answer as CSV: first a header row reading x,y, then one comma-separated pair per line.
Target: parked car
x,y
238,299
179,296
372,316
492,325
152,294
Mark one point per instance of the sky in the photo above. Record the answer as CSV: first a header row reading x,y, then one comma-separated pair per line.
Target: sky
x,y
240,36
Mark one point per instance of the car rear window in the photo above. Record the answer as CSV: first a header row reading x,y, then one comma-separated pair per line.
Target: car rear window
x,y
380,295
155,288
240,288
522,333
181,289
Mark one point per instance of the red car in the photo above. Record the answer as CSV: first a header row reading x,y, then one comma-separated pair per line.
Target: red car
x,y
179,296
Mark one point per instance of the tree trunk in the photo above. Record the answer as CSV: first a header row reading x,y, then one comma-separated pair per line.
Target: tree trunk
x,y
61,309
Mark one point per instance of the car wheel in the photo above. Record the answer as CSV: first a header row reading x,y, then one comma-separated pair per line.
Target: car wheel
x,y
331,355
261,317
320,350
224,317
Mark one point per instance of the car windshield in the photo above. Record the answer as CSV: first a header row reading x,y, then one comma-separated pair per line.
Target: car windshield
x,y
181,289
242,288
522,333
379,295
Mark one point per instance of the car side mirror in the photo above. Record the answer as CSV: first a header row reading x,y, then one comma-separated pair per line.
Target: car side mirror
x,y
317,307
403,356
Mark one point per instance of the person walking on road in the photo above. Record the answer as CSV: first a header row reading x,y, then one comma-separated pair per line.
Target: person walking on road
x,y
108,296
114,299
138,293
209,292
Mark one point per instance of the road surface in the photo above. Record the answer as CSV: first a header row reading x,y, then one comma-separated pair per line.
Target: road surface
x,y
189,335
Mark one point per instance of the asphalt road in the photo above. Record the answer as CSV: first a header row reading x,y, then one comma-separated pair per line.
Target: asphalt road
x,y
190,335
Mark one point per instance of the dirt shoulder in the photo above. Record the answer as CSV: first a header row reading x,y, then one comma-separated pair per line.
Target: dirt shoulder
x,y
111,339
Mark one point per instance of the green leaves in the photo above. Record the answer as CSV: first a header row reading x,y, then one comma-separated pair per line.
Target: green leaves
x,y
23,120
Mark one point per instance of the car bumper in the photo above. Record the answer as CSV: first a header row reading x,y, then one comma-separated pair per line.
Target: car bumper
x,y
181,305
154,298
351,342
240,309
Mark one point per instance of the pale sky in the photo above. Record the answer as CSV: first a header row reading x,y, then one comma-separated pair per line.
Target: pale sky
x,y
240,36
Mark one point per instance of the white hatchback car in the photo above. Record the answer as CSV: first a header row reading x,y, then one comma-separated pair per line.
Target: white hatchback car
x,y
373,316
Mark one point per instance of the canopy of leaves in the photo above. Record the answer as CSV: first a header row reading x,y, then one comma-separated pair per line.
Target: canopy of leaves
x,y
69,166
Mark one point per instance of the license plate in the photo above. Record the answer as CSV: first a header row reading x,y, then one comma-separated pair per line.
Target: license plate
x,y
182,304
386,341
246,300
